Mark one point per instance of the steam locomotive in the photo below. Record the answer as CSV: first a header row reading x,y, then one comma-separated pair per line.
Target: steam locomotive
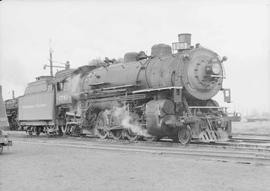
x,y
167,94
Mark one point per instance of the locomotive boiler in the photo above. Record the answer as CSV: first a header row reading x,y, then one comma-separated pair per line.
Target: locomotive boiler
x,y
166,94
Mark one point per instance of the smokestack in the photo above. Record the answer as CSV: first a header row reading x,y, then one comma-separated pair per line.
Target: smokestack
x,y
184,40
13,94
184,43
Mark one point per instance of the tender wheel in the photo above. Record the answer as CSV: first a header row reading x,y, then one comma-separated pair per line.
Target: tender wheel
x,y
29,131
38,131
1,149
184,135
102,124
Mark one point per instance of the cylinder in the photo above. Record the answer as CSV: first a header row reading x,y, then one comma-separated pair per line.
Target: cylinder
x,y
157,113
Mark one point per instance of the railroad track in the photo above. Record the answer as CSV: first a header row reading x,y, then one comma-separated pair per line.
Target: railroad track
x,y
252,138
220,153
248,141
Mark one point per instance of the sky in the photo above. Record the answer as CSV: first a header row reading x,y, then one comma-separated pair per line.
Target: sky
x,y
82,30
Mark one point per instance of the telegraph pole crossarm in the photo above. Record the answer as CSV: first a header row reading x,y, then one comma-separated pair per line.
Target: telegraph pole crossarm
x,y
66,64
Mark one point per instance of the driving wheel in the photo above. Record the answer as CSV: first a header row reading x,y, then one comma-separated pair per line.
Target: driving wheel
x,y
101,126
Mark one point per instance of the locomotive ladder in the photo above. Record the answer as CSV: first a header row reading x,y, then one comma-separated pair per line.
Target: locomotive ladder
x,y
210,134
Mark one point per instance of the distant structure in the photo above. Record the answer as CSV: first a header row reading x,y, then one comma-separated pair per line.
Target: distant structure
x,y
3,116
235,116
254,119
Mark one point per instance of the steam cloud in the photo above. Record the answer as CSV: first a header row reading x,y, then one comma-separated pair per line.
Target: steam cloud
x,y
128,122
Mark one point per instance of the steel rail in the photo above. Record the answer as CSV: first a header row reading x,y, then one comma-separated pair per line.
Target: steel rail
x,y
233,144
180,151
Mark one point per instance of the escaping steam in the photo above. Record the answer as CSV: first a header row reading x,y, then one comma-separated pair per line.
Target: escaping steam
x,y
128,122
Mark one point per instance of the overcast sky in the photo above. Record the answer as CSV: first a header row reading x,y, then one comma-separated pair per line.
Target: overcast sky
x,y
83,30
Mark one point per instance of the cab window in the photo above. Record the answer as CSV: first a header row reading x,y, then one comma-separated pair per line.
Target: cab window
x,y
63,85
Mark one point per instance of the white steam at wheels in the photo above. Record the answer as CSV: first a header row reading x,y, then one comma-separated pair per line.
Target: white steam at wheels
x,y
127,121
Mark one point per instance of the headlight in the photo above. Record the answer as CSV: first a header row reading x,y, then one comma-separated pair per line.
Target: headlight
x,y
216,68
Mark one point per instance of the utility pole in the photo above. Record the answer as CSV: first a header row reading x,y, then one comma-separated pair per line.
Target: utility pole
x,y
51,62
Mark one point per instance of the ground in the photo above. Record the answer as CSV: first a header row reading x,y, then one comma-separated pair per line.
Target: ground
x,y
259,128
37,166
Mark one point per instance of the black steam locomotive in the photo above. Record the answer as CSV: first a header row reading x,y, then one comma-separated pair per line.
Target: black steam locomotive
x,y
167,94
